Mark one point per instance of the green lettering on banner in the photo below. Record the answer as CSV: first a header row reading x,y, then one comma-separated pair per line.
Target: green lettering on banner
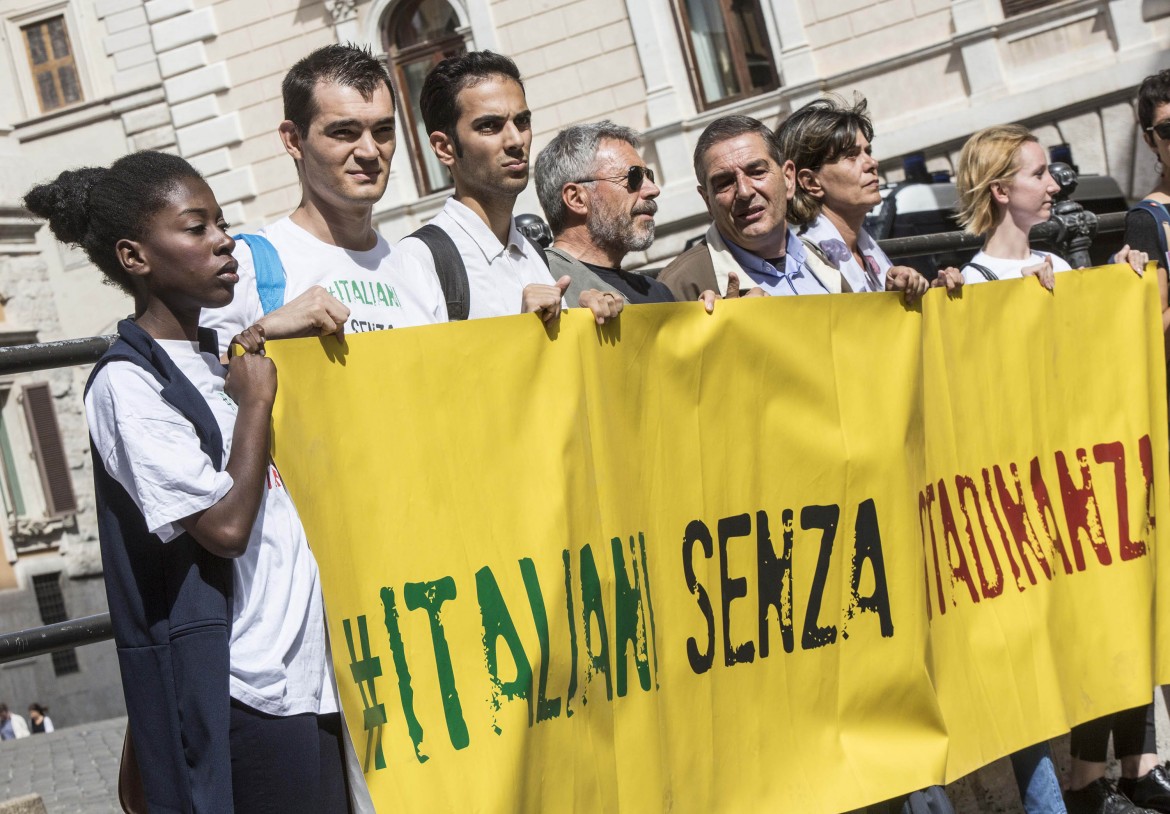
x,y
405,691
364,671
650,605
568,563
591,605
430,596
545,708
497,623
631,619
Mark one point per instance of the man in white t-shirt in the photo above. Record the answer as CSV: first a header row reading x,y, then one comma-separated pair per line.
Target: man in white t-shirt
x,y
340,274
480,127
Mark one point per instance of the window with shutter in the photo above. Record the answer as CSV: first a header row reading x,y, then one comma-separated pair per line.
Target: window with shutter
x,y
51,60
51,603
49,450
1012,8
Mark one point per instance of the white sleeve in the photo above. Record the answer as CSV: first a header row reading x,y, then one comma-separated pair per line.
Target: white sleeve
x,y
48,724
415,249
417,254
244,310
151,449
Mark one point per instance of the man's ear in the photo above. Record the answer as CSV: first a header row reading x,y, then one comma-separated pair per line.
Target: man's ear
x,y
130,255
707,201
290,137
444,147
789,170
575,200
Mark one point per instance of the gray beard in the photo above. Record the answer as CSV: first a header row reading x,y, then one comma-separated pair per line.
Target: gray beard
x,y
618,234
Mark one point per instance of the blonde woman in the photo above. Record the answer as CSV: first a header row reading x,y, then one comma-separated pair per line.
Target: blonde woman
x,y
1005,189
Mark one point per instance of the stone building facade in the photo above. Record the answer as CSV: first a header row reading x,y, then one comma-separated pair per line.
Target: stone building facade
x,y
85,81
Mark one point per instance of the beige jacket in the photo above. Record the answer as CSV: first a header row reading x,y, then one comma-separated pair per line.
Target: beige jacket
x,y
705,267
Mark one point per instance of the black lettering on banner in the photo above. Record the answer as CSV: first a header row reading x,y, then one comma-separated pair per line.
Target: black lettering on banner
x,y
826,518
775,578
732,588
697,532
868,546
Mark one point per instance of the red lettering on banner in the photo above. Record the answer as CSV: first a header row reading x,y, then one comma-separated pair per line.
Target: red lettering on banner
x,y
959,571
1048,515
1007,546
1081,512
965,485
1115,454
925,501
1146,453
1031,548
1016,513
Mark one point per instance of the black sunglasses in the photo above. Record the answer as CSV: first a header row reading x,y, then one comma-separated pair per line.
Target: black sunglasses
x,y
632,179
1162,129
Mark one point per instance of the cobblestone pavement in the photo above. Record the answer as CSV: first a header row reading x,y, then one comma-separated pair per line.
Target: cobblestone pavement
x,y
75,770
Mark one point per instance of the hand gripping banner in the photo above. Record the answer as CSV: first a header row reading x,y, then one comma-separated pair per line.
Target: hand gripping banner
x,y
801,554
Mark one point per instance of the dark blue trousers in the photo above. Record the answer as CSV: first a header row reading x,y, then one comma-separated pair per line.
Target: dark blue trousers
x,y
287,765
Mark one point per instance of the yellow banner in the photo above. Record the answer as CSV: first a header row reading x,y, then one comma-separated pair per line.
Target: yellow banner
x,y
803,554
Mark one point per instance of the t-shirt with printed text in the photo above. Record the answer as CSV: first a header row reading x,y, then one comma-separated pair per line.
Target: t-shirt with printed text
x,y
383,288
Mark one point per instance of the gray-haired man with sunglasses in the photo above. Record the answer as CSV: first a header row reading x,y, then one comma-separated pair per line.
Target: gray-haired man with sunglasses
x,y
598,197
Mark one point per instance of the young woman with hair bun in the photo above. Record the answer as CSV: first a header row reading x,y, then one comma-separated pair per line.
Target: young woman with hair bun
x,y
213,592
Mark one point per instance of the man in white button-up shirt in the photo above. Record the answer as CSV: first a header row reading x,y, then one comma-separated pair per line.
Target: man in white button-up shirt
x,y
480,127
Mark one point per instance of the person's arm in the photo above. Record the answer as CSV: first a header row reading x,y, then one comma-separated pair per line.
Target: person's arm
x,y
225,527
604,304
907,280
48,724
544,300
949,278
314,313
1042,271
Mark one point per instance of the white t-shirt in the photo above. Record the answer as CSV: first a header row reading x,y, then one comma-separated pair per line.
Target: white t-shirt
x,y
279,663
1008,269
382,288
496,274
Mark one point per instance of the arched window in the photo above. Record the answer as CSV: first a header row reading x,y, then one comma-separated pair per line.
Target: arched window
x,y
728,50
420,34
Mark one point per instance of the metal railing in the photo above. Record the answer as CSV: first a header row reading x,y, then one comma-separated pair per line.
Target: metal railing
x,y
1071,228
1054,232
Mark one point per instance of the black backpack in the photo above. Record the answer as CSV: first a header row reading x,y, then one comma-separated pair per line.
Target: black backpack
x,y
452,271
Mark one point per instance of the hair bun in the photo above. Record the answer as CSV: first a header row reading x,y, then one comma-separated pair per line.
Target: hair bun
x,y
64,202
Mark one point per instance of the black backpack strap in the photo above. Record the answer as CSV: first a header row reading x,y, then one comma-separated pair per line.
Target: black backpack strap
x,y
450,268
1161,219
987,273
538,249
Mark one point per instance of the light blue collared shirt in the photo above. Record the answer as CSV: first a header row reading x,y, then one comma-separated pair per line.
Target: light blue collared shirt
x,y
795,278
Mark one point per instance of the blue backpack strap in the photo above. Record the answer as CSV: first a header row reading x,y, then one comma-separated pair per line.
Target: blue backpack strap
x,y
269,271
1162,219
